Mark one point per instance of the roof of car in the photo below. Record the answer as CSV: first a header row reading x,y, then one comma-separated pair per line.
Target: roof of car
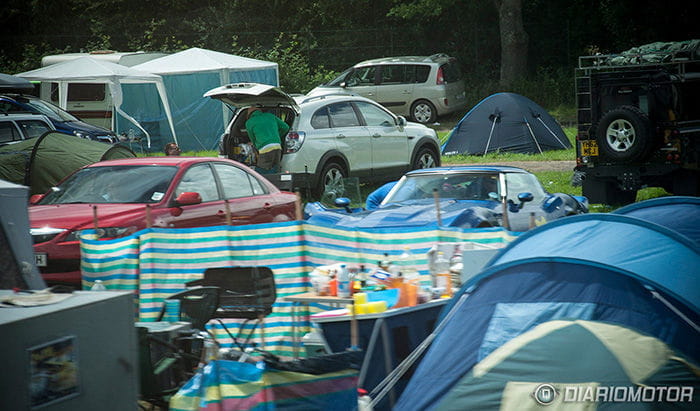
x,y
331,97
159,160
435,58
468,169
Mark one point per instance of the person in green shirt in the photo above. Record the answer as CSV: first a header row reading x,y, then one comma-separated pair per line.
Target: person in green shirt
x,y
265,131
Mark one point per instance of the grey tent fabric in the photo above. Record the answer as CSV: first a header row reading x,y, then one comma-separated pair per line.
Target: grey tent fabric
x,y
506,122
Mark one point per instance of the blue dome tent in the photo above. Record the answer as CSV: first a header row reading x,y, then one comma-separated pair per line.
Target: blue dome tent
x,y
679,213
597,267
506,122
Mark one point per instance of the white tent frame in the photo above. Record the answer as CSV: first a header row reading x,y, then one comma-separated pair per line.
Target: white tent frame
x,y
121,75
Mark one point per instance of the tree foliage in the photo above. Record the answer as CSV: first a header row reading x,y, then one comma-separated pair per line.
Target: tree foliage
x,y
313,39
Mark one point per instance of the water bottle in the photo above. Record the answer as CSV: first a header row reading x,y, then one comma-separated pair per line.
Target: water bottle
x,y
408,266
456,266
98,286
442,275
344,282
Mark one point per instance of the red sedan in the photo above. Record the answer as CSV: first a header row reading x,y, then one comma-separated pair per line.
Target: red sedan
x,y
181,192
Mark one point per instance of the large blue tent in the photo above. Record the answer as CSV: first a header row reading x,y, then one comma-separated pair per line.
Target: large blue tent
x,y
598,267
679,213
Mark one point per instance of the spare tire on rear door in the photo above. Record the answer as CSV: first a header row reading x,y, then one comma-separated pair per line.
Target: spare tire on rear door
x,y
624,134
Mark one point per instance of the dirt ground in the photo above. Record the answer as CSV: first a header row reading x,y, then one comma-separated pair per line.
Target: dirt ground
x,y
538,166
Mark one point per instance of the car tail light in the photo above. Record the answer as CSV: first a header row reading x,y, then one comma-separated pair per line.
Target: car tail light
x,y
293,141
440,77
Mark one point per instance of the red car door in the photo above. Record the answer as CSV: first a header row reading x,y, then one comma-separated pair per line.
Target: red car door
x,y
248,201
211,211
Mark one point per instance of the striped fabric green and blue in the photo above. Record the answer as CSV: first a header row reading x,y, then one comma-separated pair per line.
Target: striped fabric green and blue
x,y
157,262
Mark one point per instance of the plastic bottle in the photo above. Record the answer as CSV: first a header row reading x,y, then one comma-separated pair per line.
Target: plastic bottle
x,y
442,275
98,286
407,264
344,289
456,266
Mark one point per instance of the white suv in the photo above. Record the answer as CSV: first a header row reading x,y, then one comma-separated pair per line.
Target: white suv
x,y
419,87
331,137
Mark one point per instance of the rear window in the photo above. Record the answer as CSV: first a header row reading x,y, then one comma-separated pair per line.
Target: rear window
x,y
451,71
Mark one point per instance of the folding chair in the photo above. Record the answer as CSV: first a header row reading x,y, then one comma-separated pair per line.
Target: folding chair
x,y
246,293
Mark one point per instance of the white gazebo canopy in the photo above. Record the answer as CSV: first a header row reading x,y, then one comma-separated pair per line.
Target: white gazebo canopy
x,y
90,70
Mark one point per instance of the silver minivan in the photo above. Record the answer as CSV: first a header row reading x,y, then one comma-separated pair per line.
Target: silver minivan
x,y
419,87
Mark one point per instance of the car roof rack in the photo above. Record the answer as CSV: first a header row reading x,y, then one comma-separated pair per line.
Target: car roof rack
x,y
322,96
673,55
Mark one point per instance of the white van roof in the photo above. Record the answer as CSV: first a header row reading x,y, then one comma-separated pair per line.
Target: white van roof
x,y
124,58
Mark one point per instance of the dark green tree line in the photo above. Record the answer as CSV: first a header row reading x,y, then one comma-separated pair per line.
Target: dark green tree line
x,y
538,44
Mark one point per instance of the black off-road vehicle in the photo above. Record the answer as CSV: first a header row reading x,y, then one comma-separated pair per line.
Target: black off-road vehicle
x,y
639,122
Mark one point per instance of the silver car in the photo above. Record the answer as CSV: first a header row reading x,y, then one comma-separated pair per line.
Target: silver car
x,y
331,137
419,87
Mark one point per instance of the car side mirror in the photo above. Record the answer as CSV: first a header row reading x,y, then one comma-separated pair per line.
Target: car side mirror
x,y
493,196
343,202
401,121
188,198
343,84
36,198
524,198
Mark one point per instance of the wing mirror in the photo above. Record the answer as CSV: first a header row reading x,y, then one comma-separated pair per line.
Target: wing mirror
x,y
343,202
524,198
188,198
36,198
401,121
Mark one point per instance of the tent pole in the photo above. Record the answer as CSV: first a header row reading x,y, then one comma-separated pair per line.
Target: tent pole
x,y
551,132
488,142
533,135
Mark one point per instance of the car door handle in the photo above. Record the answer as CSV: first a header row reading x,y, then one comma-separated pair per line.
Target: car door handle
x,y
376,135
267,206
340,136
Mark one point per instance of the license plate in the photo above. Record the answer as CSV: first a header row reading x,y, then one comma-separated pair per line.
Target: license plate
x,y
40,259
589,148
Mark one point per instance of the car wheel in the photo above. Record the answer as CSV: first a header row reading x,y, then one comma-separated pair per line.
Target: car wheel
x,y
423,111
425,159
331,180
624,134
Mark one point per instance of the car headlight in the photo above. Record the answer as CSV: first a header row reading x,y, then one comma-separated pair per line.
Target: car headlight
x,y
44,234
102,232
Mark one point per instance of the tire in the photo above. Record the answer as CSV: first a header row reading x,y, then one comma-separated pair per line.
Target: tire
x,y
624,135
425,159
331,179
423,111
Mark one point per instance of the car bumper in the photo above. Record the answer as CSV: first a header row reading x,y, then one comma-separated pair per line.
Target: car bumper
x,y
291,181
62,263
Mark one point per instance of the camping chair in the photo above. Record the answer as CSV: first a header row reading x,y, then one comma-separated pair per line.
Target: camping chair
x,y
167,361
246,293
197,305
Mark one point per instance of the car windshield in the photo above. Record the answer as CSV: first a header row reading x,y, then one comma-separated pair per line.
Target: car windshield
x,y
51,111
463,186
113,184
341,78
